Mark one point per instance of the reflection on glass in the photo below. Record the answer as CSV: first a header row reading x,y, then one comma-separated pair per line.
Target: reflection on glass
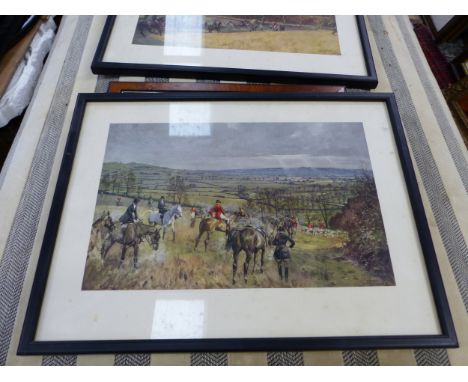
x,y
187,35
183,35
189,119
178,319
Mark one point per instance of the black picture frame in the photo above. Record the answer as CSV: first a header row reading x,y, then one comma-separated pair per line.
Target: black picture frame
x,y
368,81
29,346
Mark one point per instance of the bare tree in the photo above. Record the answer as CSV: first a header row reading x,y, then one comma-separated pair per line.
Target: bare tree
x,y
116,182
178,188
105,182
322,200
130,182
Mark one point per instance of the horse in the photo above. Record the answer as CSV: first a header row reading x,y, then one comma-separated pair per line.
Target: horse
x,y
152,25
294,224
194,214
168,219
215,26
251,240
253,25
209,225
277,27
290,225
131,236
240,215
230,26
100,228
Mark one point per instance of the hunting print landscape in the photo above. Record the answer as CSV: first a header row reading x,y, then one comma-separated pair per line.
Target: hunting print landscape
x,y
293,34
237,205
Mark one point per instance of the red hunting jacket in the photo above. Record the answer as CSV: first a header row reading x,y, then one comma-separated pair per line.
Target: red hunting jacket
x,y
216,211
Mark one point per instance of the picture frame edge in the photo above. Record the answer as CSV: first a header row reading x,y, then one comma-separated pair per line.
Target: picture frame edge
x,y
367,82
28,345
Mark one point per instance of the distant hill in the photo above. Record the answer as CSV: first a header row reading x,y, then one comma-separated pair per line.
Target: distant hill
x,y
304,172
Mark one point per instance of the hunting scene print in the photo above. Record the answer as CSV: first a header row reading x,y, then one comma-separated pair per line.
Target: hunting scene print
x,y
292,34
237,205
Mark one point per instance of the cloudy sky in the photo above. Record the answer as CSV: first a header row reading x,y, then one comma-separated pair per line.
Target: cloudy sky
x,y
239,145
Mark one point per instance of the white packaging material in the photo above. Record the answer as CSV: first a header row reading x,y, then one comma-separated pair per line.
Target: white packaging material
x,y
21,87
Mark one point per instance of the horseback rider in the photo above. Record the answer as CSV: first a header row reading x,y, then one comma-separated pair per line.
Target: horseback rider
x,y
282,252
193,216
162,207
217,212
241,213
294,224
130,215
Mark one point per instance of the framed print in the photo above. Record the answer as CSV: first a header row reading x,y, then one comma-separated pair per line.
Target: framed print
x,y
224,222
332,50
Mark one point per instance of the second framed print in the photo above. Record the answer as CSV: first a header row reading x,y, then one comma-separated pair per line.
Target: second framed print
x,y
332,50
223,222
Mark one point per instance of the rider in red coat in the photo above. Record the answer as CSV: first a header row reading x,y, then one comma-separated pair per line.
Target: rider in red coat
x,y
217,211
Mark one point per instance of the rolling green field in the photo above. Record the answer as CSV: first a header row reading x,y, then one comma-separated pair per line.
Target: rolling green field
x,y
202,188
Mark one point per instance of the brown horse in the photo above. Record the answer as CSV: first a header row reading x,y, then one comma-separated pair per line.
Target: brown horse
x,y
131,236
290,225
209,225
250,240
101,228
